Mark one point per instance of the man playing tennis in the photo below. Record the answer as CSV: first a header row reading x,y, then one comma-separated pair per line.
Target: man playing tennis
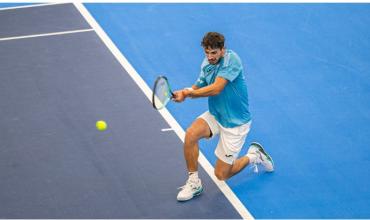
x,y
222,80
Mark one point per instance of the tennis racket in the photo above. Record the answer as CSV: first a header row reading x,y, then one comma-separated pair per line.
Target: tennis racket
x,y
162,93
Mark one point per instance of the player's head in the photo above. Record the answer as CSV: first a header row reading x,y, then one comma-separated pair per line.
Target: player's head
x,y
214,46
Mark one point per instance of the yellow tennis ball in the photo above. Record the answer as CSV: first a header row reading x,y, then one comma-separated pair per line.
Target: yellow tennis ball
x,y
101,125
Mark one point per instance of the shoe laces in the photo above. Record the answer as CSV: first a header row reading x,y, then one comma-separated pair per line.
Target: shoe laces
x,y
256,162
188,186
255,167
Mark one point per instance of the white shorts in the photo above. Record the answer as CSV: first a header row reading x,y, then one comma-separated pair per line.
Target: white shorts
x,y
231,139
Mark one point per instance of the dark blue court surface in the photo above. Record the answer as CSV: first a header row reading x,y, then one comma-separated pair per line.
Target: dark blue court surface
x,y
308,72
39,20
53,162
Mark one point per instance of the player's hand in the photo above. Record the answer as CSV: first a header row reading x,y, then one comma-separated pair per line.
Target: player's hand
x,y
179,96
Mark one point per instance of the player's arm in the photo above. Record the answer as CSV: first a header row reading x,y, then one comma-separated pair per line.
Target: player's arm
x,y
180,94
210,90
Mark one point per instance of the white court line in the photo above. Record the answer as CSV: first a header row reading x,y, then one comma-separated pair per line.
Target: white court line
x,y
46,34
198,1
29,6
238,205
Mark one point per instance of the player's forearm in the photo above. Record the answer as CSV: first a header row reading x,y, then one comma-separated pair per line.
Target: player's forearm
x,y
206,91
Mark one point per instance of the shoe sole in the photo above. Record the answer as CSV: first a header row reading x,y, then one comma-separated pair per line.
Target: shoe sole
x,y
264,152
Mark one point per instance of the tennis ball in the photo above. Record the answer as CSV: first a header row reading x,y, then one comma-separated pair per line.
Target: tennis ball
x,y
101,125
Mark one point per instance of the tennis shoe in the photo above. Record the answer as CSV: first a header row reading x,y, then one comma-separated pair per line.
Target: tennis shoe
x,y
261,157
190,189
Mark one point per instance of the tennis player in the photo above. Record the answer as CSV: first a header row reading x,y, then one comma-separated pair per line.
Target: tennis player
x,y
222,80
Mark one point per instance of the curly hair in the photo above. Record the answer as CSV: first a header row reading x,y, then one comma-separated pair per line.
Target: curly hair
x,y
213,40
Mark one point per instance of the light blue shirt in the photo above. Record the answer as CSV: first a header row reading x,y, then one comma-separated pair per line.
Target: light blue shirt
x,y
230,107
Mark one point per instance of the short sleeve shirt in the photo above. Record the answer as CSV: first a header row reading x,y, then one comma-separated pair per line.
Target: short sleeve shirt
x,y
230,107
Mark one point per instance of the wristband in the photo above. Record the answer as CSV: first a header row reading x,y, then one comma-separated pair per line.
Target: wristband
x,y
189,89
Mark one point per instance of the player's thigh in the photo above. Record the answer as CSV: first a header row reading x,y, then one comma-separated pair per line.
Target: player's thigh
x,y
198,129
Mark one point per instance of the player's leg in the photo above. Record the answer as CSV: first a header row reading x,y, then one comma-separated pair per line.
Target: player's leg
x,y
198,130
256,155
202,127
224,171
193,186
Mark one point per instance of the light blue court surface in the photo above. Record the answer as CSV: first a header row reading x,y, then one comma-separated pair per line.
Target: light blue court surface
x,y
308,72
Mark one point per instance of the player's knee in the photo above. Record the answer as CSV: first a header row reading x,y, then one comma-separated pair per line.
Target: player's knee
x,y
191,135
221,175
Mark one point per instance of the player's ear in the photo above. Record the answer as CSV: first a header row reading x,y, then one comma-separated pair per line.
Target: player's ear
x,y
223,50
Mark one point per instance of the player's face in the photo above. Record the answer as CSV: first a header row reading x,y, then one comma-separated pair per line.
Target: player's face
x,y
214,55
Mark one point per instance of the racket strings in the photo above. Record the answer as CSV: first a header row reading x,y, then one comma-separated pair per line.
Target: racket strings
x,y
162,94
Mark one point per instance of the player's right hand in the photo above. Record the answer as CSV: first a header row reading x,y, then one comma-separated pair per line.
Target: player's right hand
x,y
179,96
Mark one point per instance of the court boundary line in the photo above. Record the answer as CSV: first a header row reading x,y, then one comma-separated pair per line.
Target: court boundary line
x,y
225,189
204,1
46,34
30,6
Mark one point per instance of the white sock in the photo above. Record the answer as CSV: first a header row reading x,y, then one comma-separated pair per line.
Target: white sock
x,y
252,158
193,175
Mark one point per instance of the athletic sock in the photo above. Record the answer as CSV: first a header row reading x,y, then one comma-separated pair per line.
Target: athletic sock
x,y
252,158
193,176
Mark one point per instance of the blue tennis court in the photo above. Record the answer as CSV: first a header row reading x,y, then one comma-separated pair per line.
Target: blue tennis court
x,y
64,66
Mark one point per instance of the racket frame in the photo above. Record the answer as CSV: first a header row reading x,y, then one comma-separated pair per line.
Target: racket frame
x,y
155,87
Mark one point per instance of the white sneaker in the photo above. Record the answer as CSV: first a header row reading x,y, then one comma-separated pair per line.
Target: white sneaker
x,y
190,189
262,157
